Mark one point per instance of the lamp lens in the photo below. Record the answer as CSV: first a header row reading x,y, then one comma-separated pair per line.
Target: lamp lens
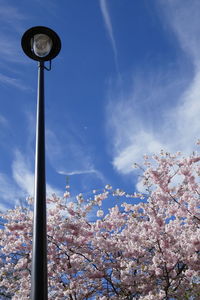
x,y
42,45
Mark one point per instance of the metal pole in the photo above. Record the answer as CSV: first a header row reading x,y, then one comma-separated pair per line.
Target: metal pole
x,y
39,285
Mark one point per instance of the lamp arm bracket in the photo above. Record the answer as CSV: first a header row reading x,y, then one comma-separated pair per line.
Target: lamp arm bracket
x,y
49,68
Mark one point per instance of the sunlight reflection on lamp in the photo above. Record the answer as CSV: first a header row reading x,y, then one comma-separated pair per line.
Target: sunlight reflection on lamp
x,y
42,45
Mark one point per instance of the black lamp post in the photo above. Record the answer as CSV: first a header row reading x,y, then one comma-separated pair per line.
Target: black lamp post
x,y
41,44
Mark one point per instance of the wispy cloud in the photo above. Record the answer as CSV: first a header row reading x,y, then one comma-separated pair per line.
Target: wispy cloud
x,y
3,121
131,122
15,189
183,18
69,158
9,49
109,29
23,176
76,172
9,194
95,172
108,24
22,173
161,111
11,16
11,23
14,82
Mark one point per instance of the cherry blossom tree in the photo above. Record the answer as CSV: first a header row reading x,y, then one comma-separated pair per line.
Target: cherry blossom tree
x,y
149,250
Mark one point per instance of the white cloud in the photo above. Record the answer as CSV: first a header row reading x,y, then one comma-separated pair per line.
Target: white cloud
x,y
11,22
144,141
95,172
183,17
8,192
76,172
24,176
11,193
109,29
3,121
14,82
50,190
70,158
108,24
14,190
160,113
11,15
8,49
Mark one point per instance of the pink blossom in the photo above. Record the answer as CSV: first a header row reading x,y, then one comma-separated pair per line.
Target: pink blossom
x,y
100,213
150,249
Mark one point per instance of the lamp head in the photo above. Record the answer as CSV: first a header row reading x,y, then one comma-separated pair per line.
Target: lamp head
x,y
41,43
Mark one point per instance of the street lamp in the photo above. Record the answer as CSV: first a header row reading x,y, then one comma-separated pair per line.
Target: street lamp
x,y
41,44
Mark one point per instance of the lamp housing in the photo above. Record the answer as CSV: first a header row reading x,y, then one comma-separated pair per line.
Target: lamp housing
x,y
41,43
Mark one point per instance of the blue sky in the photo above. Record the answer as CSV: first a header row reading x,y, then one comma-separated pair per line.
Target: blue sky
x,y
126,83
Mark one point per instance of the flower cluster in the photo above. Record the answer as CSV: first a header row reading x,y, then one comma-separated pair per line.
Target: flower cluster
x,y
144,251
